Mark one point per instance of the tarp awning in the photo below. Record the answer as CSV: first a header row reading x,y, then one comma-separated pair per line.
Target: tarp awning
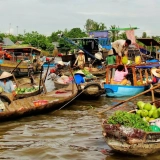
x,y
148,41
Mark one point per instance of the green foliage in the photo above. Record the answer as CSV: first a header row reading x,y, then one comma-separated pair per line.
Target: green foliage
x,y
91,25
129,120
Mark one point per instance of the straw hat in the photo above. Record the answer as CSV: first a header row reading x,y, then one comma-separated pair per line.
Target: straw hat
x,y
155,72
98,55
80,72
80,51
61,63
5,75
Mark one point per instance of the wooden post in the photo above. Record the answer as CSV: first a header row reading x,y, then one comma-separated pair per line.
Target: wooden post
x,y
134,76
15,80
107,72
141,77
146,74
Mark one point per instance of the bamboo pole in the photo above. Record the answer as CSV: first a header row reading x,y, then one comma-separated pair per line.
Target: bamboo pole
x,y
111,107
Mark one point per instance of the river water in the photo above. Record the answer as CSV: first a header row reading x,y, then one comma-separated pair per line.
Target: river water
x,y
71,133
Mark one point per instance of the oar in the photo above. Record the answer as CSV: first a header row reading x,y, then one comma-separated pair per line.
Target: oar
x,y
17,66
111,107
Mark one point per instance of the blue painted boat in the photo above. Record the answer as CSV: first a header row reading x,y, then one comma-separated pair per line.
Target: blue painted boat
x,y
123,90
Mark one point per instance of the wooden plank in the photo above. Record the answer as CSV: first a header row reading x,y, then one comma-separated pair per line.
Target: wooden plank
x,y
134,76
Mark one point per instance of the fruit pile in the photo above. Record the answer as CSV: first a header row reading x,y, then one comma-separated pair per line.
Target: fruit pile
x,y
149,113
25,90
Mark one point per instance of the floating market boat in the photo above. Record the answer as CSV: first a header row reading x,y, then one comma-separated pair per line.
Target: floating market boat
x,y
37,104
130,140
137,85
90,89
25,89
16,54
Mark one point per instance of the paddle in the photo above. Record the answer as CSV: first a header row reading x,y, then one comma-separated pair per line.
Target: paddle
x,y
111,107
17,66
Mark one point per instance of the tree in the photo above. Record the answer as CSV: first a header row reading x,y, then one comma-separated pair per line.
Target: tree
x,y
94,26
144,35
114,33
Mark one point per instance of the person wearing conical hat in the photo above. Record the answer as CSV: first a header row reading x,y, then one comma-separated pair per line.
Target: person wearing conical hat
x,y
6,83
80,60
156,75
79,77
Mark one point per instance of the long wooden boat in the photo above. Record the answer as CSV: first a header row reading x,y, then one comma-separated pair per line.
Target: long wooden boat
x,y
37,104
137,85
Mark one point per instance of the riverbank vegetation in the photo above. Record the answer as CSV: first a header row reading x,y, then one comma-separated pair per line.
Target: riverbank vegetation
x,y
47,43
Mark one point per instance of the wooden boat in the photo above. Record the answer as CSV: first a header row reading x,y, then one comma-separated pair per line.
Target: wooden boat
x,y
91,89
123,90
37,104
59,85
138,144
130,140
17,53
25,83
137,85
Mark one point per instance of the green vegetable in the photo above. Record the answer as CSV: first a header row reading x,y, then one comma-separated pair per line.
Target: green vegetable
x,y
129,120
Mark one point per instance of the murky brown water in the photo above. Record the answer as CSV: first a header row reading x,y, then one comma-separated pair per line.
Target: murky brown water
x,y
71,133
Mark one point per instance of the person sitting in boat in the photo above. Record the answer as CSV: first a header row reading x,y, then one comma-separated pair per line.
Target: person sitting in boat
x,y
6,83
156,75
80,60
79,77
57,70
120,75
120,48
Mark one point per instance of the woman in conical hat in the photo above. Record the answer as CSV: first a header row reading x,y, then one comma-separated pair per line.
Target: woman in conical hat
x,y
80,61
6,83
79,77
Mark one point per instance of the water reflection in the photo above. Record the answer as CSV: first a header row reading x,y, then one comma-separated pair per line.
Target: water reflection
x,y
71,133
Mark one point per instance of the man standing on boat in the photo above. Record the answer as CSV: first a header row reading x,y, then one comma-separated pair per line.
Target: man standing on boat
x,y
120,48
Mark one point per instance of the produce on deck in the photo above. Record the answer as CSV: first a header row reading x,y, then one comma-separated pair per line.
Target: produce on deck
x,y
26,90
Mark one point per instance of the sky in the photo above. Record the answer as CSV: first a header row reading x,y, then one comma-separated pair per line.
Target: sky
x,y
47,16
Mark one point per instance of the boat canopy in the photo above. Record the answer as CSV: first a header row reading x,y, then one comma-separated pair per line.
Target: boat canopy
x,y
148,41
22,49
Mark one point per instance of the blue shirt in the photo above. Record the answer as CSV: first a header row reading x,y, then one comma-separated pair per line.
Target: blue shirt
x,y
8,86
79,79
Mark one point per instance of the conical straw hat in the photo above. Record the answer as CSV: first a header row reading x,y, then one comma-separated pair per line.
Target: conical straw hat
x,y
80,72
5,75
155,73
80,51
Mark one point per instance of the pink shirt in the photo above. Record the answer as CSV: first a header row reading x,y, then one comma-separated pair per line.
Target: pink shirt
x,y
119,75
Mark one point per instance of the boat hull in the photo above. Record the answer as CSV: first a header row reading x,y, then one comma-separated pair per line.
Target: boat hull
x,y
123,90
139,149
